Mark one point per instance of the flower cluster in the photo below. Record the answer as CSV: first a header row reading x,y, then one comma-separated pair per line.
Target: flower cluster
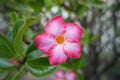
x,y
61,75
60,40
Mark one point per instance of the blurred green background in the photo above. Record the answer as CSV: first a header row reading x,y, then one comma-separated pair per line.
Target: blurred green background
x,y
101,39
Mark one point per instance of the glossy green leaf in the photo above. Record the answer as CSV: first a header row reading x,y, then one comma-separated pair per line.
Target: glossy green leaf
x,y
18,73
13,17
4,64
38,62
30,48
4,73
18,40
6,49
30,35
17,26
15,74
34,54
9,77
41,71
75,64
40,66
9,36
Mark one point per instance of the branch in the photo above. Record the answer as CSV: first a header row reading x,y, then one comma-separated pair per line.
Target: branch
x,y
116,53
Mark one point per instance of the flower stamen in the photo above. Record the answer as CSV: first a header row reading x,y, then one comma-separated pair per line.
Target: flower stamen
x,y
60,39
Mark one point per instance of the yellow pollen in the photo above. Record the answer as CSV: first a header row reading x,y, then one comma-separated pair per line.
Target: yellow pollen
x,y
60,39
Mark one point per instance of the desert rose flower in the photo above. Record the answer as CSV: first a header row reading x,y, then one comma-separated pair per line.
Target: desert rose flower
x,y
61,75
60,40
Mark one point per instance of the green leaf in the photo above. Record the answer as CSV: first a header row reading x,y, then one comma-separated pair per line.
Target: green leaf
x,y
34,54
4,73
18,40
118,33
59,12
17,26
83,2
6,49
30,35
9,36
81,62
40,66
50,3
98,4
30,48
36,4
57,2
87,38
53,2
13,17
41,71
80,76
18,73
38,62
81,10
4,64
75,63
9,77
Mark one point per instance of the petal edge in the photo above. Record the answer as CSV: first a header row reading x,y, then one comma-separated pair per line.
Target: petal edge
x,y
56,55
73,31
55,26
72,49
44,42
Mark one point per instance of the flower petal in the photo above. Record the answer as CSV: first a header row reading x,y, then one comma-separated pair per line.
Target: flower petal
x,y
70,75
44,42
57,55
57,78
72,49
60,73
55,26
73,31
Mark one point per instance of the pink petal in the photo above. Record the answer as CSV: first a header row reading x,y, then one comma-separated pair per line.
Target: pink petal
x,y
72,49
55,26
57,78
57,55
73,31
44,42
60,73
70,76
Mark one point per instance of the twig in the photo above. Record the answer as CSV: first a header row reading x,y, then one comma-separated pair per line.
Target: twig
x,y
116,53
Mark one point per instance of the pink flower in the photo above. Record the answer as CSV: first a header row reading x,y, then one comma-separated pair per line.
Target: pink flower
x,y
60,40
61,75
